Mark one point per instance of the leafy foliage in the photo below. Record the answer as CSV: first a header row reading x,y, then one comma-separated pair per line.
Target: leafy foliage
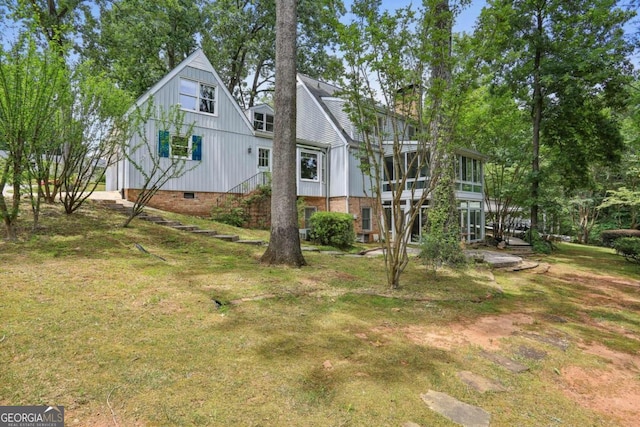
x,y
629,248
609,237
440,244
332,229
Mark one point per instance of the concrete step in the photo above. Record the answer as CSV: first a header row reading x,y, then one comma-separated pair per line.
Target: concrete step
x,y
167,223
226,237
251,242
151,218
184,227
205,232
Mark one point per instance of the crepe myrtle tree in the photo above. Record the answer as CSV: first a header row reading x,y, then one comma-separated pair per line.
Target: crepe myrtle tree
x,y
393,60
92,127
31,80
160,157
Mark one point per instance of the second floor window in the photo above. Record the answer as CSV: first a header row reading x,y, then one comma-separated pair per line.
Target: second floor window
x,y
197,96
263,122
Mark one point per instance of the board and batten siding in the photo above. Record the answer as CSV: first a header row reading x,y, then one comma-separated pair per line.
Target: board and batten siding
x,y
226,161
359,183
311,121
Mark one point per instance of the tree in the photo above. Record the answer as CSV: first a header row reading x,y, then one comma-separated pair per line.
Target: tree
x,y
96,128
492,123
30,82
566,61
137,42
393,59
154,159
284,242
59,21
245,57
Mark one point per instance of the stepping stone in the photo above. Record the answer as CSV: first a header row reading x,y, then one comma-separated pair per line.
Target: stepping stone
x,y
455,410
479,383
531,353
184,227
251,242
557,342
505,362
167,223
226,237
205,232
410,424
151,218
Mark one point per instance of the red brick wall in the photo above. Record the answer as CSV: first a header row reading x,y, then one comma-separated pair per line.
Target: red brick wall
x,y
260,213
174,201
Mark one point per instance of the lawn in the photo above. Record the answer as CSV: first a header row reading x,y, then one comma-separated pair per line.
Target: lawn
x,y
122,338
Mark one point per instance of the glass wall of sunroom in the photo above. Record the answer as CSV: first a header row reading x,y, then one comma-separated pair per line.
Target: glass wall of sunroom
x,y
469,196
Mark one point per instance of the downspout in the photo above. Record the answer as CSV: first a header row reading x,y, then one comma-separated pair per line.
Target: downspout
x,y
327,178
347,177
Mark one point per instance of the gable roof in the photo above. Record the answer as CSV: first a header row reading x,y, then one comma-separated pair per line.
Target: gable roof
x,y
199,61
319,90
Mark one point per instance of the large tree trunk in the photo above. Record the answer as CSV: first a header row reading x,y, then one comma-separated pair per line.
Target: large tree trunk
x,y
284,243
537,120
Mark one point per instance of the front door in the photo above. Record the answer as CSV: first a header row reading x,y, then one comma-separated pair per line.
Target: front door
x,y
264,164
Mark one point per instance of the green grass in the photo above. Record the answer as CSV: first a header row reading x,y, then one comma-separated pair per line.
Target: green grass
x,y
92,323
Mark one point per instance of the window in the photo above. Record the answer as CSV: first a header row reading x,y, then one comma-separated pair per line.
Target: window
x,y
264,157
309,166
197,96
263,122
366,219
308,212
189,195
179,146
469,174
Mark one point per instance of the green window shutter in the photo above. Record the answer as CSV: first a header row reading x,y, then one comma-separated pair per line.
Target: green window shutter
x,y
163,143
196,145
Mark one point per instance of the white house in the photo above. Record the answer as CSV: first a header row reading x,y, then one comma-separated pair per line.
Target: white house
x,y
233,149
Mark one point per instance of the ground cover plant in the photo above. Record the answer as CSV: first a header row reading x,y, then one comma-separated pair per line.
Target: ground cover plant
x,y
212,337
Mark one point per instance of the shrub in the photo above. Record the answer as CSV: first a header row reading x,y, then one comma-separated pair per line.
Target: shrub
x,y
332,229
628,247
610,236
438,249
538,243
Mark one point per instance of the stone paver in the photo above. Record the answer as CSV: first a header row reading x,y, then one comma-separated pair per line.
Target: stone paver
x,y
495,259
557,342
505,362
531,353
455,410
480,383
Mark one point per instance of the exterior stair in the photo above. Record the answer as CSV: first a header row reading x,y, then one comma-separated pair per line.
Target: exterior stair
x,y
156,219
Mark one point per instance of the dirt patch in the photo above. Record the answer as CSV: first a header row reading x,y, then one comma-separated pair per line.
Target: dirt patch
x,y
609,391
486,332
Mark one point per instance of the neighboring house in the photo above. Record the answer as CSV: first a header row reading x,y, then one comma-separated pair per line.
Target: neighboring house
x,y
234,151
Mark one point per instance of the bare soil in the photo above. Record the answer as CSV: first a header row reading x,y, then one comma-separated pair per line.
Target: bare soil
x,y
611,387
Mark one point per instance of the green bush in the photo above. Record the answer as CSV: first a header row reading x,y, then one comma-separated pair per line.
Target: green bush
x,y
538,243
628,247
438,249
609,237
332,229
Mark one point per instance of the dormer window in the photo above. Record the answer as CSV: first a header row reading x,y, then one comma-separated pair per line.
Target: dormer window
x,y
263,122
197,96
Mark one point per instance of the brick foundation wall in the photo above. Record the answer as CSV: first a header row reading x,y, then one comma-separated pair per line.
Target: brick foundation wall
x,y
260,212
174,201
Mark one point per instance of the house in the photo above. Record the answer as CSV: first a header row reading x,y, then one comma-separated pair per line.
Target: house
x,y
234,151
